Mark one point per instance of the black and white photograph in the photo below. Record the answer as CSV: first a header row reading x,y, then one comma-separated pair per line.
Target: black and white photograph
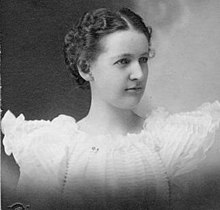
x,y
110,105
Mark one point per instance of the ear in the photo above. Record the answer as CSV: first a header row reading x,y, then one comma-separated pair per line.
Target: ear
x,y
84,70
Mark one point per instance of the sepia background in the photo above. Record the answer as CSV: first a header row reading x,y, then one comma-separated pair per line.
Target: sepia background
x,y
184,74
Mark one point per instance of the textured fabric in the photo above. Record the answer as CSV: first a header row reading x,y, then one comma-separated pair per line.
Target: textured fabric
x,y
134,171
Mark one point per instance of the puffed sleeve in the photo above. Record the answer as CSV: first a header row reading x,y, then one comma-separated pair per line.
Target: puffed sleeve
x,y
40,148
183,139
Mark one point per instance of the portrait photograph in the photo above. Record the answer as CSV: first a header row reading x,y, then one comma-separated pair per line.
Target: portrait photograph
x,y
110,105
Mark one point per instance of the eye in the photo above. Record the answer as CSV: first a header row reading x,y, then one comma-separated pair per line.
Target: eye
x,y
123,61
143,59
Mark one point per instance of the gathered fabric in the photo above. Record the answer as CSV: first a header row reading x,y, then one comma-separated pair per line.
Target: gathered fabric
x,y
76,170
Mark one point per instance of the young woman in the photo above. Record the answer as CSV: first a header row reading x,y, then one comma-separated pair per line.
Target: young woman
x,y
112,158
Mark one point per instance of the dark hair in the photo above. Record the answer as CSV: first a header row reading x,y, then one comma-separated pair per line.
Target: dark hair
x,y
82,45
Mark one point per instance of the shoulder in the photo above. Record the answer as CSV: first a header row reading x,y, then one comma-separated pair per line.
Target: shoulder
x,y
184,138
40,148
22,136
208,114
10,122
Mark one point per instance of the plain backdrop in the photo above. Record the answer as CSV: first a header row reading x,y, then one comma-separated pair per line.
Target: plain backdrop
x,y
184,74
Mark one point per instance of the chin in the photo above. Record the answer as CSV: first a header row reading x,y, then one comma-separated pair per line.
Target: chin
x,y
129,104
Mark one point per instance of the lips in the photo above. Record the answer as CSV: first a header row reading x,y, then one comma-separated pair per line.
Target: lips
x,y
136,88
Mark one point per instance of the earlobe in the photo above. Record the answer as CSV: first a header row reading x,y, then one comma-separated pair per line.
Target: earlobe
x,y
84,75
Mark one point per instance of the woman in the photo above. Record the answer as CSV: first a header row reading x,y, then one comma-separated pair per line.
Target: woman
x,y
112,158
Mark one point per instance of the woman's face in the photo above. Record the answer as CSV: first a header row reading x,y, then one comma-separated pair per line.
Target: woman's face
x,y
120,71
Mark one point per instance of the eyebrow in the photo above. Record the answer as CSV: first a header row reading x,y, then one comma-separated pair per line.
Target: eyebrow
x,y
122,55
128,55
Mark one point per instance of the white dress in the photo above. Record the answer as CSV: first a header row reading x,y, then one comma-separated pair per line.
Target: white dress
x,y
62,167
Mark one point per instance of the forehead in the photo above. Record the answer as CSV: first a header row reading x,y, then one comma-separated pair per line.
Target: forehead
x,y
122,42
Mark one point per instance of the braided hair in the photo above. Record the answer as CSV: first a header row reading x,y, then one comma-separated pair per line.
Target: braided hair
x,y
82,42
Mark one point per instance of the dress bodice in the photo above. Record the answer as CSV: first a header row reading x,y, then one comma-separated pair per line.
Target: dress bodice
x,y
115,171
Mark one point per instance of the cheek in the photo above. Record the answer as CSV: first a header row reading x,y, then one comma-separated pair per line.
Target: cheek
x,y
145,75
105,84
112,80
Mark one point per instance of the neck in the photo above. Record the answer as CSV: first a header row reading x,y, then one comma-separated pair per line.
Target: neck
x,y
105,118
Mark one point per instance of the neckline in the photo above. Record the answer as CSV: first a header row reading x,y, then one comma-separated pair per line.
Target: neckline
x,y
109,134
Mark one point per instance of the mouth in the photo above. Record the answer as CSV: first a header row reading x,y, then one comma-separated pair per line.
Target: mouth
x,y
134,89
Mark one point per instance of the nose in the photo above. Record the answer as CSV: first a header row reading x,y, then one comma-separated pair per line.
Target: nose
x,y
136,72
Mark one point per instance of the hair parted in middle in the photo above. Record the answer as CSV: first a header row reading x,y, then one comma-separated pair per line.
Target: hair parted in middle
x,y
82,42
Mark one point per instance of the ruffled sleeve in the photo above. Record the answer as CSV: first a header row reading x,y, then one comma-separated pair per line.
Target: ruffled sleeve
x,y
183,139
40,149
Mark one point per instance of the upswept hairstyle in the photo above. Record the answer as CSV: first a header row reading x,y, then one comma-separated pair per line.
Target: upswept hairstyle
x,y
81,44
